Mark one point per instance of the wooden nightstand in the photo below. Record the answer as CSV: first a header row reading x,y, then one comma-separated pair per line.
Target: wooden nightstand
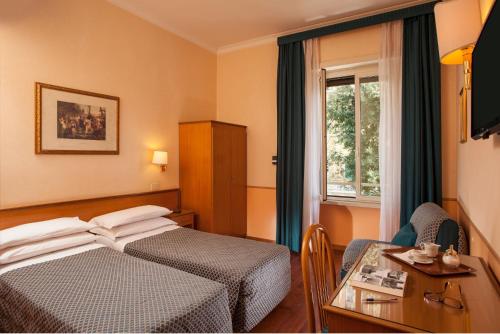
x,y
185,218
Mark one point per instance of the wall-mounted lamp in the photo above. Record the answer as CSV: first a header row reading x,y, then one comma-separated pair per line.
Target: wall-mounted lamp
x,y
458,24
160,158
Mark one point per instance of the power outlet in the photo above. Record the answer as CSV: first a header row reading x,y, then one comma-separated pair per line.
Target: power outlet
x,y
155,186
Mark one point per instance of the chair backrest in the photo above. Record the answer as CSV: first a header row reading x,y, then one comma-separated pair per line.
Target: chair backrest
x,y
318,273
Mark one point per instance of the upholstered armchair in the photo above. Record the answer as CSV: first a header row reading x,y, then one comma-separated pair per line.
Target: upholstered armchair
x,y
429,223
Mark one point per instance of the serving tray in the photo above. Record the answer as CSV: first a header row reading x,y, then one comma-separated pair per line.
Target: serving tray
x,y
437,268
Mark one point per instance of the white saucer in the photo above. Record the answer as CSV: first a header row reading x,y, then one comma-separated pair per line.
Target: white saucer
x,y
420,260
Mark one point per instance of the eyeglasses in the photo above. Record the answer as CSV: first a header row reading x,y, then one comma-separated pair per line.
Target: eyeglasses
x,y
451,295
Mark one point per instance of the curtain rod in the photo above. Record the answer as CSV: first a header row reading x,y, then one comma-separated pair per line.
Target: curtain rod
x,y
359,23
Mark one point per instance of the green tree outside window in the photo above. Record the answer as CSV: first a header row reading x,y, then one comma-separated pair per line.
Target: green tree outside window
x,y
341,136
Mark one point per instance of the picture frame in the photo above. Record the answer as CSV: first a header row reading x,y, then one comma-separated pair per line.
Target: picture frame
x,y
73,121
462,118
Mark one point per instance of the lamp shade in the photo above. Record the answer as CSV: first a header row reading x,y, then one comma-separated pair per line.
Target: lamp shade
x,y
160,158
458,25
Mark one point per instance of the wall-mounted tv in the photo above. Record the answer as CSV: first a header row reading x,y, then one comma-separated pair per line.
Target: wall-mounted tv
x,y
485,114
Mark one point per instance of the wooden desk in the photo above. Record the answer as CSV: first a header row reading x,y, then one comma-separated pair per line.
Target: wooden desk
x,y
481,294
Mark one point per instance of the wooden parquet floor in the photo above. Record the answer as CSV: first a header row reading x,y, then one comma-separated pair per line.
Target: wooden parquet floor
x,y
290,315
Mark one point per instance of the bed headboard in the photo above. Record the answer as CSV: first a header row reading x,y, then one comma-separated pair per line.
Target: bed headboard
x,y
87,208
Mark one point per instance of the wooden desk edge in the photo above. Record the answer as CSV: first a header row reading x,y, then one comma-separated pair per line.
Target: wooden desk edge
x,y
490,275
359,316
372,320
382,322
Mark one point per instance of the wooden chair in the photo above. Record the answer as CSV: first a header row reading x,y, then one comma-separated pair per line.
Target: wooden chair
x,y
318,273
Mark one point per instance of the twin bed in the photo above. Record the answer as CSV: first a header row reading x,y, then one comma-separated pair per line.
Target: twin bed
x,y
171,279
97,289
256,274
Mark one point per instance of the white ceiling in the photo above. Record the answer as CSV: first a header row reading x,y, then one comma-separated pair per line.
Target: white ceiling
x,y
214,24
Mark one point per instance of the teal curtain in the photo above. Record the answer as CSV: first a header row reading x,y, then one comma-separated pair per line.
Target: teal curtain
x,y
421,116
291,145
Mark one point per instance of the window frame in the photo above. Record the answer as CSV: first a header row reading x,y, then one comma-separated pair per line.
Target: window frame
x,y
358,71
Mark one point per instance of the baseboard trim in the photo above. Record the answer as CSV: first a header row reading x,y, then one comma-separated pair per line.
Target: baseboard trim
x,y
259,187
260,239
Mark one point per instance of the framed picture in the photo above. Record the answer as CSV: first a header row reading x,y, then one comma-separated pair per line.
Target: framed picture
x,y
462,119
71,121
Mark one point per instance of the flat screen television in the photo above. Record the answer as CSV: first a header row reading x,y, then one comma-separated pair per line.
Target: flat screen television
x,y
485,114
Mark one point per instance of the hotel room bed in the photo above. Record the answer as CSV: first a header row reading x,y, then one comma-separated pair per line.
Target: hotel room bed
x,y
93,288
256,274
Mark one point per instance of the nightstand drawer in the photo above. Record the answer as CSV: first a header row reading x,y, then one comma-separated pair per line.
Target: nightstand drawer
x,y
184,218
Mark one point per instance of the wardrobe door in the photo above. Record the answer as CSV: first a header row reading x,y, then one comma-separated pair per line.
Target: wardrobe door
x,y
195,171
238,208
222,162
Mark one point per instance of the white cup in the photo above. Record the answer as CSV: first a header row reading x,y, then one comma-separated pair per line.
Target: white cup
x,y
431,249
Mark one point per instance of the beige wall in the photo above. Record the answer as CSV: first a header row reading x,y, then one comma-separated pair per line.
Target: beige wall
x,y
351,46
449,139
478,175
261,217
246,93
479,185
163,79
346,223
92,45
449,131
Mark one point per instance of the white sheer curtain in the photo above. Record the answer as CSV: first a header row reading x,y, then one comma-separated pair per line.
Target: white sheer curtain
x,y
390,76
312,159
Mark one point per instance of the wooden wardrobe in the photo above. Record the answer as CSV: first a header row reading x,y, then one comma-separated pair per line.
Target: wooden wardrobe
x,y
213,175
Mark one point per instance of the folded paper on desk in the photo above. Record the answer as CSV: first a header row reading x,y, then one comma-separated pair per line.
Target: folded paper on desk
x,y
404,257
379,279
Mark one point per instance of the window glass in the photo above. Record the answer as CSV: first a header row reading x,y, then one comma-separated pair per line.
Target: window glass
x,y
352,148
341,137
370,117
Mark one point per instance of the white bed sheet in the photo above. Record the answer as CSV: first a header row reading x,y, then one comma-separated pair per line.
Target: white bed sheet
x,y
120,243
49,257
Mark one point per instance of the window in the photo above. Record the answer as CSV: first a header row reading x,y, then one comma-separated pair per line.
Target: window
x,y
352,113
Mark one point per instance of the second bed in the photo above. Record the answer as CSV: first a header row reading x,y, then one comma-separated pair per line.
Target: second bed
x,y
256,274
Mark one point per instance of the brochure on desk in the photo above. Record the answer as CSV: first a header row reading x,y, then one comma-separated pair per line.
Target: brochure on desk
x,y
379,279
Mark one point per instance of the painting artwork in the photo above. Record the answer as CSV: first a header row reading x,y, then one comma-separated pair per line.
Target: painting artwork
x,y
71,121
80,121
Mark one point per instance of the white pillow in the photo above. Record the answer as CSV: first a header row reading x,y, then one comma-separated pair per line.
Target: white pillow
x,y
32,249
26,233
133,228
128,216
